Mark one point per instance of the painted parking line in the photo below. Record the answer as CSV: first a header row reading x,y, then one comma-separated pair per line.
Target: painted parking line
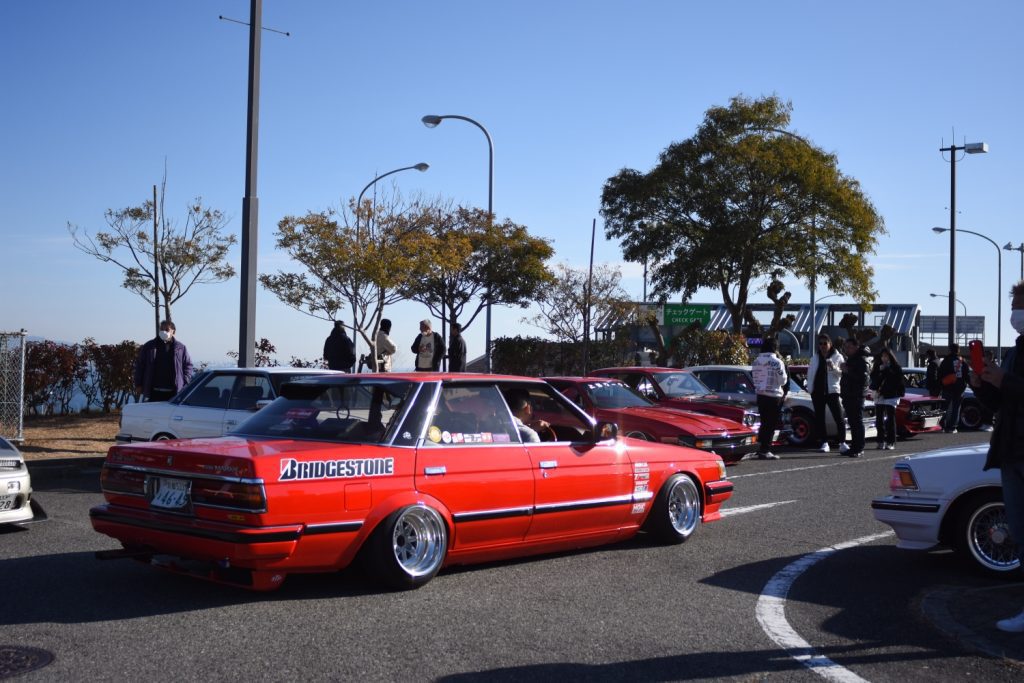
x,y
834,463
771,613
753,508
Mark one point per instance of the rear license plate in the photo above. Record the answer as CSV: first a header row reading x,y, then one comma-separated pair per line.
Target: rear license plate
x,y
171,494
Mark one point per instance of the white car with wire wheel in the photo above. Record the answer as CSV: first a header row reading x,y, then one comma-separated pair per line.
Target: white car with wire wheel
x,y
15,485
943,498
212,404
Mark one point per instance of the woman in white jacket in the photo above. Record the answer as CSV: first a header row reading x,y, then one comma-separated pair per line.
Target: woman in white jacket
x,y
823,377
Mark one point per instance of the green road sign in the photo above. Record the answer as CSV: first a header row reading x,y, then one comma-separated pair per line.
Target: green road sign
x,y
685,314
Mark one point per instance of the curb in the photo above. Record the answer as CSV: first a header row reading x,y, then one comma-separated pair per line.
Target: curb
x,y
64,467
968,617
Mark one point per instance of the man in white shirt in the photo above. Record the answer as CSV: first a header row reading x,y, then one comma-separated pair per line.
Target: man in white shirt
x,y
386,348
771,382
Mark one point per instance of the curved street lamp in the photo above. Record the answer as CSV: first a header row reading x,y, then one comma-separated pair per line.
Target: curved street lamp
x,y
432,121
946,296
359,202
1009,247
999,288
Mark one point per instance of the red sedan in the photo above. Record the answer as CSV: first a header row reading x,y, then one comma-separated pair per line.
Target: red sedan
x,y
680,388
610,400
406,473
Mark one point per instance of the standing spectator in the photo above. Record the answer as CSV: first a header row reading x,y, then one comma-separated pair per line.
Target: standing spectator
x,y
428,347
457,350
931,373
386,348
771,383
889,385
1001,388
339,351
824,374
954,373
163,365
851,391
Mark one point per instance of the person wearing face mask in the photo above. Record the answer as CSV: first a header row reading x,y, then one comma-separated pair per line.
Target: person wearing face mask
x,y
163,365
1001,388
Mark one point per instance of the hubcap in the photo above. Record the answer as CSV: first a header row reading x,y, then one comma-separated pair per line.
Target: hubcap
x,y
990,540
683,506
418,541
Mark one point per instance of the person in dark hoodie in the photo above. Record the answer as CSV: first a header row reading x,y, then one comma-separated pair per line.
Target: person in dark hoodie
x,y
889,385
339,351
851,391
1002,390
954,373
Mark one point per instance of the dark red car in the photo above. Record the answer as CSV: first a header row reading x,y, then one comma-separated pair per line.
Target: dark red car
x,y
613,401
680,388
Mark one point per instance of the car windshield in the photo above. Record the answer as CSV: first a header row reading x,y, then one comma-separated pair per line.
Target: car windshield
x,y
680,384
358,411
614,395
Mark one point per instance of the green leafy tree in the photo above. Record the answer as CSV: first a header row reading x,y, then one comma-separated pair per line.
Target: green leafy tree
x,y
697,346
363,266
563,303
52,371
110,372
741,201
476,258
185,256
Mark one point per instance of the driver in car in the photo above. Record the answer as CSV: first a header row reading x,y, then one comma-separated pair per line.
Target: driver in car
x,y
522,414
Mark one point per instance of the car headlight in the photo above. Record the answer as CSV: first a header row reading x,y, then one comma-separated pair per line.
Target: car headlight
x,y
750,419
902,479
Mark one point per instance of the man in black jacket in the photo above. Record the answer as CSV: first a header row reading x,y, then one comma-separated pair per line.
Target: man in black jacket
x,y
931,373
954,373
1002,390
339,351
851,392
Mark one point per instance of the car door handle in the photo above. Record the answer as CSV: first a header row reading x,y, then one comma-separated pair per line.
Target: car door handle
x,y
435,470
548,464
231,422
177,418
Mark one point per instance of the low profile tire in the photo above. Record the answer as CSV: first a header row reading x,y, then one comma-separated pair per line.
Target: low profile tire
x,y
408,548
970,415
676,511
802,425
982,536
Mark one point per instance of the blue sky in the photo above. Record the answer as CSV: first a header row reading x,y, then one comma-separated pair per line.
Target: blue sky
x,y
98,95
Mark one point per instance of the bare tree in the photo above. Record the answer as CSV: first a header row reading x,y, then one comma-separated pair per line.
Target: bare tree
x,y
563,305
184,257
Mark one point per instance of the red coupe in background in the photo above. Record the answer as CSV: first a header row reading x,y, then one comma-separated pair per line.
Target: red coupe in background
x,y
609,400
406,473
680,388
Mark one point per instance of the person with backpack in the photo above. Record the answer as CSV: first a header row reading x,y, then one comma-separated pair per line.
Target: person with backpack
x,y
954,374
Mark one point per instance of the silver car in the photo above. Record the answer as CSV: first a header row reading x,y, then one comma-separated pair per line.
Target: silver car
x,y
15,485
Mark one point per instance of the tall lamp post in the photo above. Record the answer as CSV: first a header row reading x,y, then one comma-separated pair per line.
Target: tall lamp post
x,y
946,296
1009,247
359,202
999,288
432,121
969,148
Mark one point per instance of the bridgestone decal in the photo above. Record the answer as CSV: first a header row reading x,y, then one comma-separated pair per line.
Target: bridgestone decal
x,y
294,470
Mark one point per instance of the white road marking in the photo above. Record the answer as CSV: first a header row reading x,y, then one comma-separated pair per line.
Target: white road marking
x,y
771,613
752,508
834,463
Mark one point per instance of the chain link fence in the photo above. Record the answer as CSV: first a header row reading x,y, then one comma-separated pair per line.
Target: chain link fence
x,y
12,385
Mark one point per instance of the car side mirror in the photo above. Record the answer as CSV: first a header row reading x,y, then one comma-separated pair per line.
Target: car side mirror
x,y
605,430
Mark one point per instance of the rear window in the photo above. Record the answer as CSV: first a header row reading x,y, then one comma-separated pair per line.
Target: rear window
x,y
366,412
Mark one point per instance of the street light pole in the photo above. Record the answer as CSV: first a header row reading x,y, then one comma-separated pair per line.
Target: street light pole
x,y
944,296
432,121
969,148
421,167
999,289
1009,247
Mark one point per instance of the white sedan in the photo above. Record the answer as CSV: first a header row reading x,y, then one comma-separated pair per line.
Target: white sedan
x,y
735,382
212,404
944,498
15,485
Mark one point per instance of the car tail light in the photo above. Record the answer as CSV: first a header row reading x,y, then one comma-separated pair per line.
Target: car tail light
x,y
226,494
117,480
902,479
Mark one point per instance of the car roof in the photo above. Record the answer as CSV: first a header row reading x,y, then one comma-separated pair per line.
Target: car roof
x,y
581,380
423,377
719,367
276,370
643,368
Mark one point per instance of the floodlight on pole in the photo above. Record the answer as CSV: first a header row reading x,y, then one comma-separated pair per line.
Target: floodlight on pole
x,y
1009,247
969,148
